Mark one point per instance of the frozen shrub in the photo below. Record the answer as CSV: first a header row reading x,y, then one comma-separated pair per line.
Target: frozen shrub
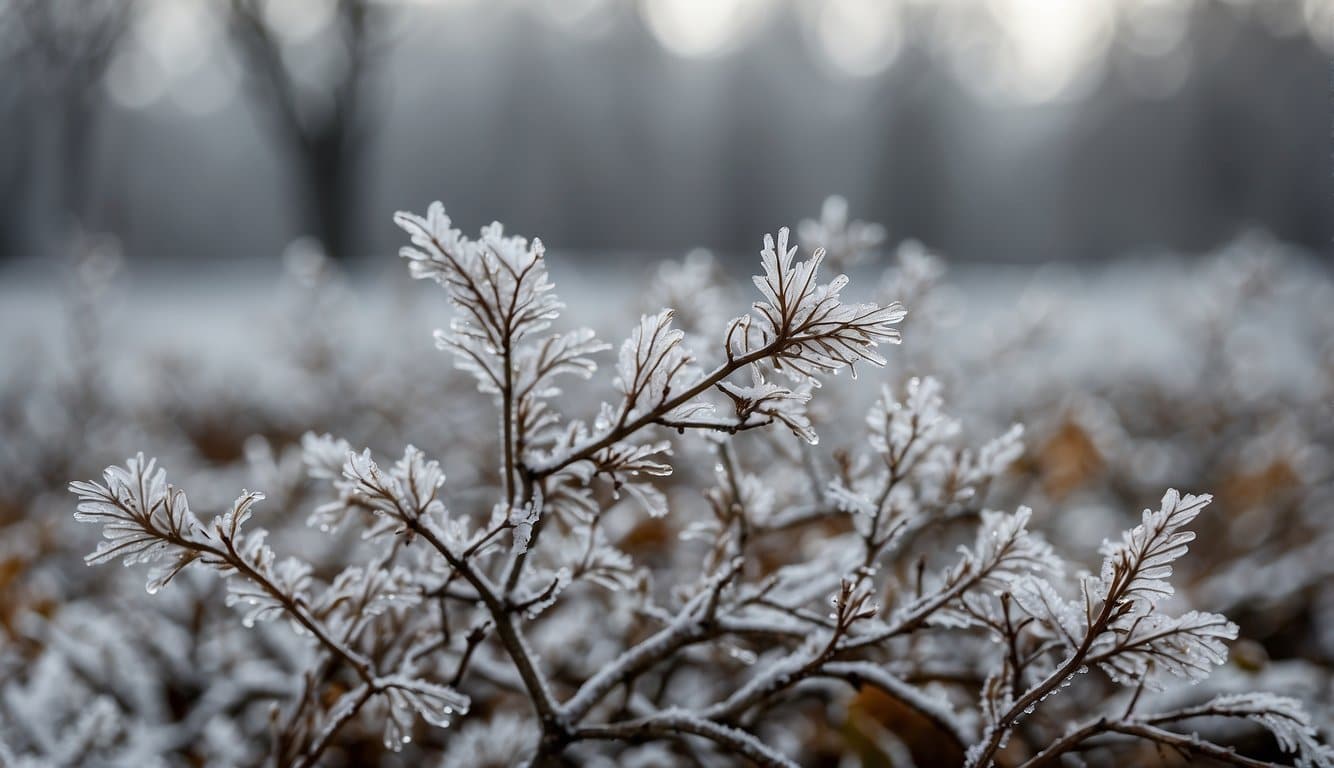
x,y
686,573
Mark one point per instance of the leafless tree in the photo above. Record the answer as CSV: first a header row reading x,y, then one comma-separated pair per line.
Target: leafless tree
x,y
321,128
58,50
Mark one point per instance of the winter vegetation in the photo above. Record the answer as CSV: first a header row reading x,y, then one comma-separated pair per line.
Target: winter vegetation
x,y
785,522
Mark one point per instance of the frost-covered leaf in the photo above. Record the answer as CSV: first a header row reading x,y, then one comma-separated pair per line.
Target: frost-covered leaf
x,y
1057,617
1135,570
653,365
994,457
741,490
1141,648
1282,716
538,365
358,594
916,275
290,575
601,563
324,455
505,300
499,283
631,467
410,697
402,496
767,400
1005,551
547,588
802,327
133,505
902,431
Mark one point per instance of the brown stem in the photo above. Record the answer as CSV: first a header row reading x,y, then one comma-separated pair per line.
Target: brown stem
x,y
625,430
671,725
313,754
1188,744
506,630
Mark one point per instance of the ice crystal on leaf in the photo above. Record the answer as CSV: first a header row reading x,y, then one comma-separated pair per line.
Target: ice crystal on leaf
x,y
651,367
916,472
409,697
1136,569
765,402
1282,716
499,283
1141,646
802,327
133,506
1005,552
1058,618
902,432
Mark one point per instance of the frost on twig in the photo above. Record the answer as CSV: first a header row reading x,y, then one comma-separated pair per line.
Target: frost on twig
x,y
146,521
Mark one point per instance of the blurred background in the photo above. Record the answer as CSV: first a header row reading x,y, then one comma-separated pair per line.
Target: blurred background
x,y
206,131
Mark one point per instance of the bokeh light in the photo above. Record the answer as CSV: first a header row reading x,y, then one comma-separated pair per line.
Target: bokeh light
x,y
859,37
701,28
